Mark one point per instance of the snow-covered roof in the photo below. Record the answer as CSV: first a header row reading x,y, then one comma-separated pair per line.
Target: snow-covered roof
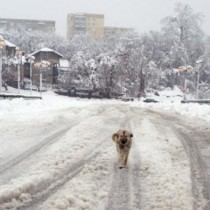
x,y
45,49
9,44
64,63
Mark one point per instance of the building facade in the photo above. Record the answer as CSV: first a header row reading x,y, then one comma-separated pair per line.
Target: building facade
x,y
50,73
90,24
8,48
109,31
46,26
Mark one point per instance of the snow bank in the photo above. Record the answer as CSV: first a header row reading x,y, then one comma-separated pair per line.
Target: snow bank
x,y
198,111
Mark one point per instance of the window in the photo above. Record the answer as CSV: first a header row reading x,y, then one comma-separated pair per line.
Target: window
x,y
46,55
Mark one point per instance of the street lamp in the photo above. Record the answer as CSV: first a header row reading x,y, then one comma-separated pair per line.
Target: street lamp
x,y
2,43
31,60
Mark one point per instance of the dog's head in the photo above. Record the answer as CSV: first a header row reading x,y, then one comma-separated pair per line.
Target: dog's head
x,y
122,137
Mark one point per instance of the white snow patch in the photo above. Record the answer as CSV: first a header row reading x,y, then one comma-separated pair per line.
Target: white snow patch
x,y
165,170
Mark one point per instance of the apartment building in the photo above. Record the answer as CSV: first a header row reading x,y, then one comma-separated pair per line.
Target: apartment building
x,y
92,24
47,26
109,31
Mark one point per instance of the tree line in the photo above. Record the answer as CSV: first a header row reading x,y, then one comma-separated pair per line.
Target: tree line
x,y
133,63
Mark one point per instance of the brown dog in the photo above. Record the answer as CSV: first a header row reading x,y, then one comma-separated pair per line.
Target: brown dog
x,y
123,141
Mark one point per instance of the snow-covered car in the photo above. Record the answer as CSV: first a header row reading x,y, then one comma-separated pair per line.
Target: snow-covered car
x,y
150,100
126,98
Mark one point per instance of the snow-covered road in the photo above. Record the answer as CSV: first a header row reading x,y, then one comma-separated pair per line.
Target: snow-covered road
x,y
64,158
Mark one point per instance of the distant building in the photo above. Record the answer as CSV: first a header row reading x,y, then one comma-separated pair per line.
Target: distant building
x,y
49,74
10,53
92,24
46,26
9,49
109,31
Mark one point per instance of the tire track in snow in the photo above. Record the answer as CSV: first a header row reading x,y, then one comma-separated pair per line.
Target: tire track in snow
x,y
157,165
46,189
44,143
194,142
34,189
42,193
136,185
200,181
6,170
119,195
125,182
22,161
135,124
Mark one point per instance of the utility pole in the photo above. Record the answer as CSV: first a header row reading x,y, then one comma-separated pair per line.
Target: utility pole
x,y
31,60
18,68
40,82
43,68
0,68
198,66
2,43
197,86
185,88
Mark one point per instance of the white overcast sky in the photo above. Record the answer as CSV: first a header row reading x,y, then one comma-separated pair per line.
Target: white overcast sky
x,y
144,15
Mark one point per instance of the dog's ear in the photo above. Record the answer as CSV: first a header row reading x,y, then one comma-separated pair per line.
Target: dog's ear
x,y
131,135
114,136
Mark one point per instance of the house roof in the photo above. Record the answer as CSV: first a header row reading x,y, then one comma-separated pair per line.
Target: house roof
x,y
6,42
9,44
45,49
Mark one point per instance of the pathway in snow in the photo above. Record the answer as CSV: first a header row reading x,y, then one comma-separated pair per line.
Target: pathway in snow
x,y
76,168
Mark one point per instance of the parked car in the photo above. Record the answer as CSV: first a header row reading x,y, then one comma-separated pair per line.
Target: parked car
x,y
150,100
123,98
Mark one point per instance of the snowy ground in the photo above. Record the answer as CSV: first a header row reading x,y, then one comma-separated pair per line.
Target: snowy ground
x,y
57,153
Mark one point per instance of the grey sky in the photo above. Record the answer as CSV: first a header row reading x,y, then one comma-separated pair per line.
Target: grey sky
x,y
144,15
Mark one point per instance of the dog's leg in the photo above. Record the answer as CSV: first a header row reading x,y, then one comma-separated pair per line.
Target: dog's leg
x,y
121,161
126,159
125,162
